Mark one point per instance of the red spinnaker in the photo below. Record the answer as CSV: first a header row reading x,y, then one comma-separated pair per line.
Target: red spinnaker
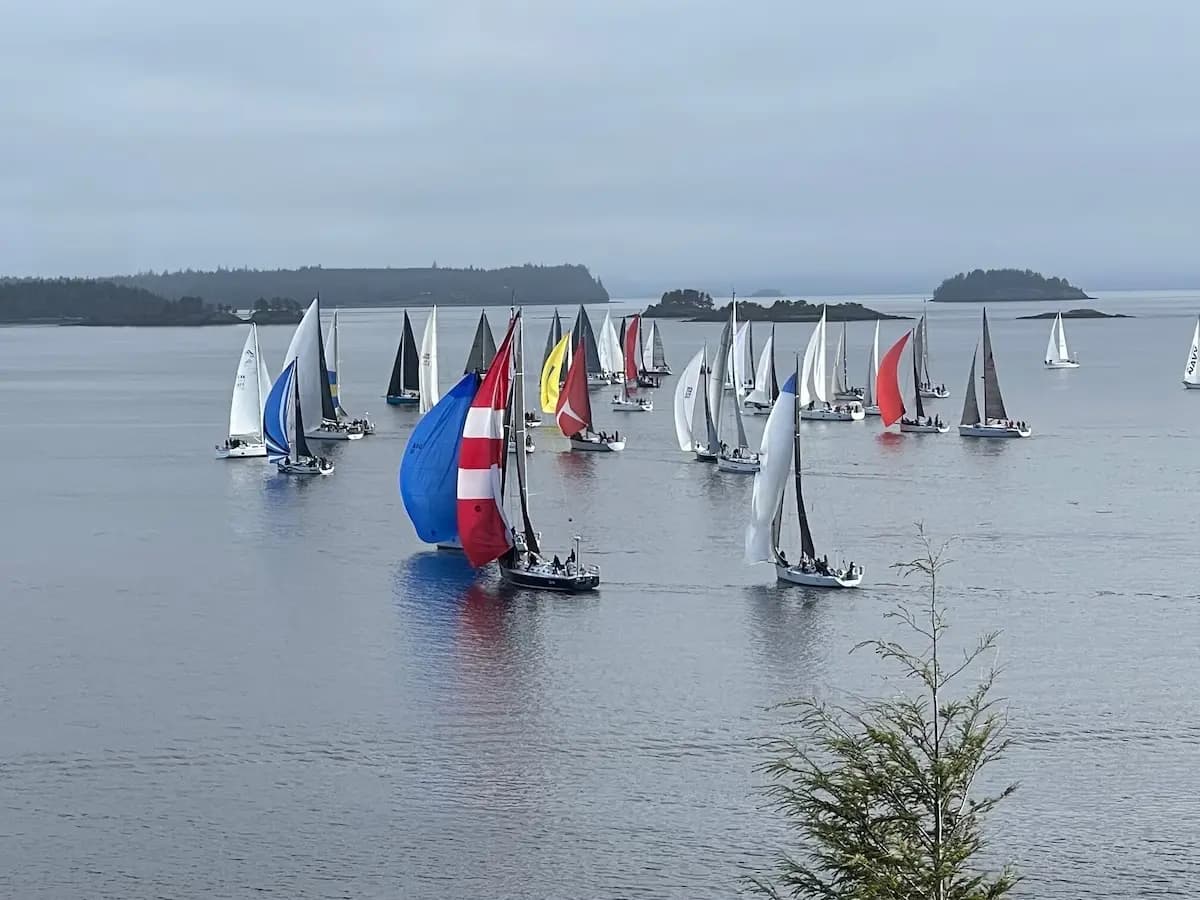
x,y
482,526
574,413
887,383
632,330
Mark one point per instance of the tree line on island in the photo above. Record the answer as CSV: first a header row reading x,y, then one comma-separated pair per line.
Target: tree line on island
x,y
1004,285
698,306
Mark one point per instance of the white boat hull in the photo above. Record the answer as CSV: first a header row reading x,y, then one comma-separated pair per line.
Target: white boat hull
x,y
703,454
739,465
333,434
304,467
845,414
596,445
935,394
633,406
242,451
923,429
980,430
794,575
1060,364
851,394
1191,386
871,411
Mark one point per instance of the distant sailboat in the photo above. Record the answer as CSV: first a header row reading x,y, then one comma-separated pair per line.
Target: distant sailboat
x,y
927,388
841,389
1191,371
552,339
307,348
612,362
574,410
710,449
870,395
739,458
483,347
483,476
685,401
994,423
895,403
626,398
584,343
404,388
333,359
552,373
766,382
283,427
780,451
428,477
813,404
654,358
428,378
1057,354
251,385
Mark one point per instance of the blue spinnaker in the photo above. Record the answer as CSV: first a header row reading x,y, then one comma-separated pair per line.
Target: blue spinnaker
x,y
275,424
429,467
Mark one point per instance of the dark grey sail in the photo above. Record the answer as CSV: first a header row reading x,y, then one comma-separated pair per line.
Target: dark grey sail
x,y
993,403
299,444
716,384
806,540
917,383
483,347
406,368
658,357
328,410
714,441
774,375
583,332
970,415
553,337
517,426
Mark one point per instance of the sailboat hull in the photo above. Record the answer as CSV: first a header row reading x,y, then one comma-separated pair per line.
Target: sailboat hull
x,y
703,454
935,394
1061,364
545,577
871,411
404,398
846,414
242,451
1191,386
850,394
739,465
979,430
596,445
658,370
304,467
595,382
794,575
632,406
340,433
923,429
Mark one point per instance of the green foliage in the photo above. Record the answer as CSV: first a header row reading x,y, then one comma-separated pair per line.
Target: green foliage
x,y
96,301
1006,284
883,794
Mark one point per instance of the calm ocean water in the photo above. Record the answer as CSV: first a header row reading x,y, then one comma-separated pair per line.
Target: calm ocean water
x,y
218,682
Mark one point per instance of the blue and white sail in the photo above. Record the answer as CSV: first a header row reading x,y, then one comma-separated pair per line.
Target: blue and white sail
x,y
775,455
275,414
428,476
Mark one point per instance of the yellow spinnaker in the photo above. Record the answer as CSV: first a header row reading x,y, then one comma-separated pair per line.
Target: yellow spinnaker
x,y
552,374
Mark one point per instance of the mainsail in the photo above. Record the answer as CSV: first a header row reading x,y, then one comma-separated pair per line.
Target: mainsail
x,y
574,410
970,414
993,402
428,378
716,386
299,444
812,379
483,347
706,382
840,374
766,387
407,367
869,392
483,527
250,387
1191,371
609,347
552,339
586,339
685,401
428,477
775,454
891,403
312,377
1056,349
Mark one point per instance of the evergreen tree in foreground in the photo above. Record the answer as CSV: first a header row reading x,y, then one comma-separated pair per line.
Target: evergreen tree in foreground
x,y
882,795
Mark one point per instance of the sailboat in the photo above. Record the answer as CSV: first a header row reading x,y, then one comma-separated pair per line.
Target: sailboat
x,y
574,409
483,475
685,403
483,347
552,339
766,383
612,362
428,477
994,423
928,389
334,361
251,384
840,388
1057,355
283,427
813,385
583,342
895,403
312,375
654,359
870,399
780,450
626,399
739,458
404,387
1191,371
427,378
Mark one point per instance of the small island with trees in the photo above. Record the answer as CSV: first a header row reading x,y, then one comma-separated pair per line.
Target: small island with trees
x,y
1005,286
698,306
1078,314
767,293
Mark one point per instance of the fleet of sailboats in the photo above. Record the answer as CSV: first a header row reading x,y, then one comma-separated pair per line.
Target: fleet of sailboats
x,y
627,398
251,384
814,402
1057,354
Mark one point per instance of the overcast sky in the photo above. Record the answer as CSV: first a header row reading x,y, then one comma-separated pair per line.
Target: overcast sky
x,y
864,143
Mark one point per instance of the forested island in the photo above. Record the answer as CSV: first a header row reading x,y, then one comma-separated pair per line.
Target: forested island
x,y
1003,286
698,306
88,301
529,284
1078,314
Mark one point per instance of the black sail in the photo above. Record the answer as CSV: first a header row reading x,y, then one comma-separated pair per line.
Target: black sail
x,y
993,403
410,369
806,539
970,415
553,337
583,332
300,445
917,383
483,347
328,410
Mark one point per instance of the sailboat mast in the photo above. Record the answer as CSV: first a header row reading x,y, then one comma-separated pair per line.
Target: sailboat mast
x,y
518,415
920,409
806,541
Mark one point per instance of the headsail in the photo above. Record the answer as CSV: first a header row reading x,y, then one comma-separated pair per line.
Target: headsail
x,y
574,410
428,377
1191,371
483,527
551,381
891,403
250,387
657,353
706,382
765,385
275,414
716,384
1062,339
685,401
812,377
869,392
587,338
970,414
611,355
993,402
517,425
334,363
648,346
552,338
428,477
307,349
807,549
483,346
775,454
839,365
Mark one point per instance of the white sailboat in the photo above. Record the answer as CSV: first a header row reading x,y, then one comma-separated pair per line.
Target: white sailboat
x,y
1057,355
333,361
928,389
780,451
654,358
1191,371
766,383
995,422
841,388
739,458
251,384
312,379
612,361
813,403
870,398
685,401
427,376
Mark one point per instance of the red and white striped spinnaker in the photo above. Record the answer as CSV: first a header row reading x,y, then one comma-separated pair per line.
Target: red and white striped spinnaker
x,y
483,528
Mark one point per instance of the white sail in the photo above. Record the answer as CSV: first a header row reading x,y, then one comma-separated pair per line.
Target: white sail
x,y
608,346
762,375
1191,371
869,398
1052,353
1062,339
812,377
333,365
743,365
305,348
427,375
685,400
648,347
838,380
775,455
250,387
